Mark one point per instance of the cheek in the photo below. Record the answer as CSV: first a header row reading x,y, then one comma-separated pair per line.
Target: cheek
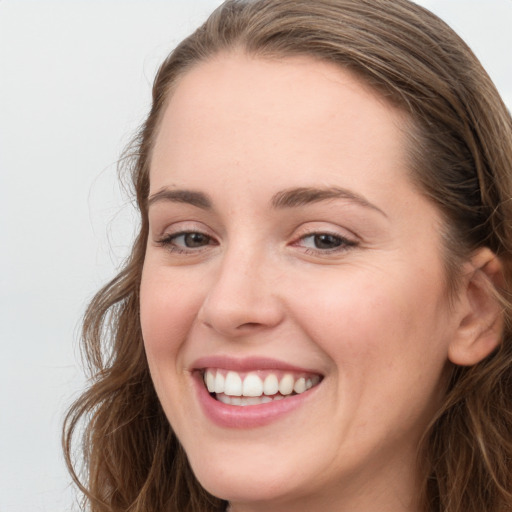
x,y
168,308
388,346
380,327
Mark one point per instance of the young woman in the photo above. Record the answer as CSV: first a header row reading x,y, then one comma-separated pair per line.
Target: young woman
x,y
315,314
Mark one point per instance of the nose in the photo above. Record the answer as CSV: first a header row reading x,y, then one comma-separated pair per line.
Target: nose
x,y
242,296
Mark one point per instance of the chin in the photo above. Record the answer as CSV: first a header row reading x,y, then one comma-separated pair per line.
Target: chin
x,y
250,472
246,484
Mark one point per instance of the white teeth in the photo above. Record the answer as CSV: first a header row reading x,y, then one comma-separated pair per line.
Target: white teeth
x,y
252,385
210,381
243,401
231,388
225,399
286,384
232,384
219,382
300,385
270,385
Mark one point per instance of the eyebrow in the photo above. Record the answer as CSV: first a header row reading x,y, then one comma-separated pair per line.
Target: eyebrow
x,y
302,196
290,198
181,196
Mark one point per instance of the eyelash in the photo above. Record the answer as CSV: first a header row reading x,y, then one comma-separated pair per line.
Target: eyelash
x,y
343,243
168,242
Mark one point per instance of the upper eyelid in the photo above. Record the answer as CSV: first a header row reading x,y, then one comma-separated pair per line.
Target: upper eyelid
x,y
175,228
185,232
342,232
305,229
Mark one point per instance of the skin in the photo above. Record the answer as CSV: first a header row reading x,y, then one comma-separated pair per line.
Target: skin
x,y
372,316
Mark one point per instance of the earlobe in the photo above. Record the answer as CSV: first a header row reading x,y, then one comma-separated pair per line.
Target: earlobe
x,y
480,330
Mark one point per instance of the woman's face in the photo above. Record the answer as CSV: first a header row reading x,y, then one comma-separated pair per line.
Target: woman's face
x,y
291,261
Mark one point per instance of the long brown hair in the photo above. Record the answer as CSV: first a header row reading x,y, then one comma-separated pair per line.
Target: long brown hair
x,y
460,146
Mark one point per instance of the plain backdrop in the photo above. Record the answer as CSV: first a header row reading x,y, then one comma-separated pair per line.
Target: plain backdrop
x,y
75,80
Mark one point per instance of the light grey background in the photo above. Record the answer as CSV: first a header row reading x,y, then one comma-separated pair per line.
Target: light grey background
x,y
75,80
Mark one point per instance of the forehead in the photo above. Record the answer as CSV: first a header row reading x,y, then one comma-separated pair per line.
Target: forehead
x,y
237,114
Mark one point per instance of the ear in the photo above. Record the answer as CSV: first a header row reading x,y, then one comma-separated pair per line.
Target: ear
x,y
481,325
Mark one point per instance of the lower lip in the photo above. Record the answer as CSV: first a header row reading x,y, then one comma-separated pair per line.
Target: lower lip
x,y
249,416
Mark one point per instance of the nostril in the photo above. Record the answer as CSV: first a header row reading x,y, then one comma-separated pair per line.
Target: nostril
x,y
249,325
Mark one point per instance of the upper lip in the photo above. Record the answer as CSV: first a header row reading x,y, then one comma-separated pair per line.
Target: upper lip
x,y
247,364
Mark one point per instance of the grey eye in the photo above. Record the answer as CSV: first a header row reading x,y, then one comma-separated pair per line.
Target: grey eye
x,y
192,240
326,241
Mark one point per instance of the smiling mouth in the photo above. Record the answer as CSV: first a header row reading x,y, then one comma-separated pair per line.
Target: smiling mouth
x,y
256,387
